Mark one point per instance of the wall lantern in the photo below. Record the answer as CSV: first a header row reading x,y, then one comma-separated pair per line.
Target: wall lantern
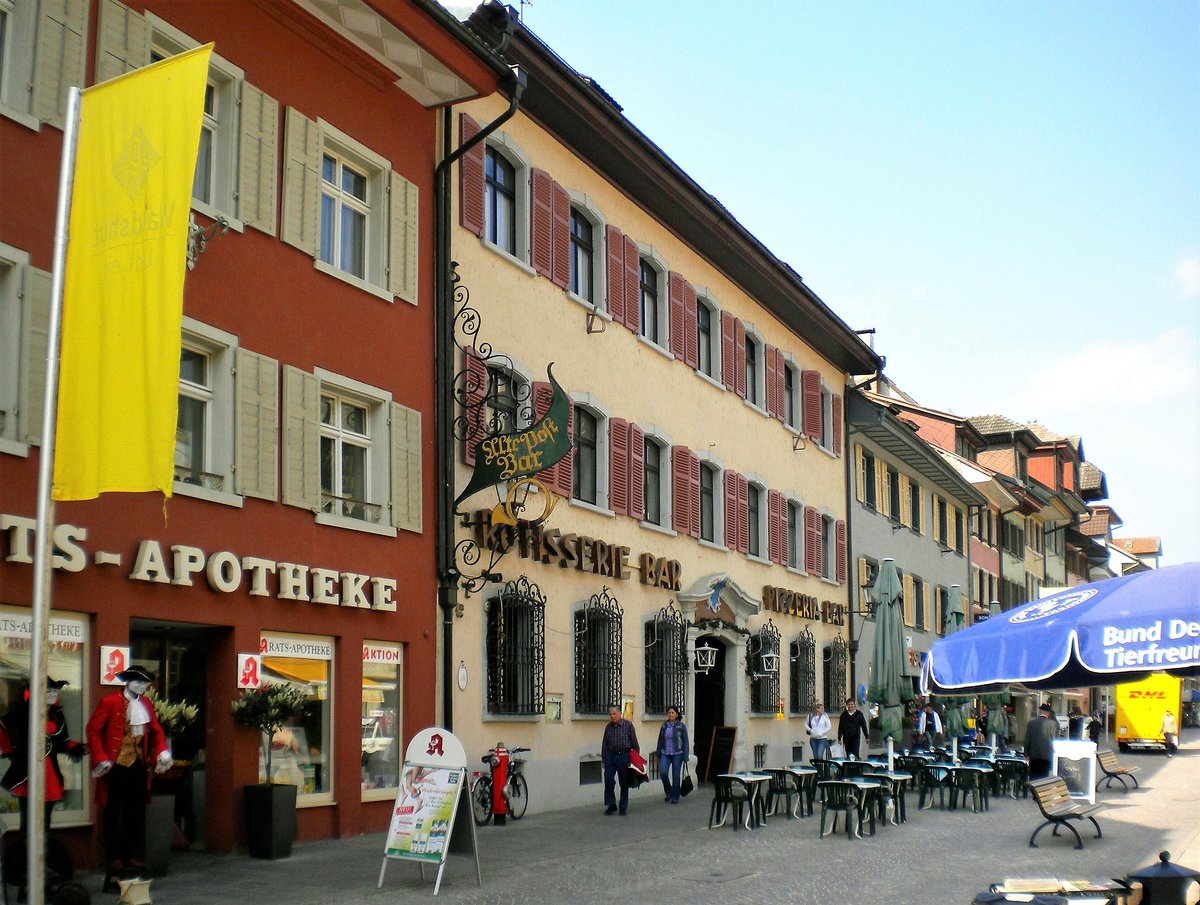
x,y
706,658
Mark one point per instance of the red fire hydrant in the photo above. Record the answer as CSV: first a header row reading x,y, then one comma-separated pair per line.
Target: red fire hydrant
x,y
499,764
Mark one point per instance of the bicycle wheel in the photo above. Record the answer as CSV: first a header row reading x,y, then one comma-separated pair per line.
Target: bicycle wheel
x,y
518,799
481,800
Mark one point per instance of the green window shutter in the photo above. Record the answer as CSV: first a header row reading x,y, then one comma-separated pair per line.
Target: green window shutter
x,y
301,439
406,468
122,41
258,155
60,57
302,182
256,430
35,335
403,245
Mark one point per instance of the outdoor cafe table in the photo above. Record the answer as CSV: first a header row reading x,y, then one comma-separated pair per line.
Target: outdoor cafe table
x,y
899,783
807,777
757,783
872,791
954,770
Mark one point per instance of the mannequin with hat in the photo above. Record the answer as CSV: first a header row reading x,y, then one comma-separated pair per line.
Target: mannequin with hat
x,y
126,741
1039,741
14,744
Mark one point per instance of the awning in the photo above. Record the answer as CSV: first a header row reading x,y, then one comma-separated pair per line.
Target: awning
x,y
312,672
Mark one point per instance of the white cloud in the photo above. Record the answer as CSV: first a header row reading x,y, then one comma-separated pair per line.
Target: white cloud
x,y
1187,276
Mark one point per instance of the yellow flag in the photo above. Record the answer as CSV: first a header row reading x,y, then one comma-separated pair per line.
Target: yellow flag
x,y
123,286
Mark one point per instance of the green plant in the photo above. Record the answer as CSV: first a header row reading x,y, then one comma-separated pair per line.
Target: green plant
x,y
267,709
174,716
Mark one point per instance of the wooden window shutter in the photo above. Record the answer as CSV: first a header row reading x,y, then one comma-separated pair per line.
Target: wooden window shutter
x,y
774,535
927,593
470,179
404,238
406,469
743,511
860,473
258,156
864,572
541,222
566,465
883,498
122,40
780,385
810,394
812,540
618,465
952,527
675,284
35,341
474,391
301,439
937,522
691,351
633,286
839,529
910,608
739,351
614,243
729,485
905,501
256,428
301,182
728,353
60,59
637,472
543,394
560,273
681,469
768,354
836,426
694,492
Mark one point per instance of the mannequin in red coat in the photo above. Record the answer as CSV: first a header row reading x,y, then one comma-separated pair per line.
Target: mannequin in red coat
x,y
125,740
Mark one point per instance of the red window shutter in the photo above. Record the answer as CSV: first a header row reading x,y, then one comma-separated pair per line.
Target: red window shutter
x,y
637,472
566,465
614,243
836,426
782,516
840,536
691,351
780,384
731,516
694,493
812,540
618,466
739,353
470,179
561,236
743,511
774,498
474,391
542,396
675,284
541,222
681,470
633,290
810,394
772,375
728,355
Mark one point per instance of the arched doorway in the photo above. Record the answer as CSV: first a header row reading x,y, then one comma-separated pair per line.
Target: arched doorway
x,y
710,703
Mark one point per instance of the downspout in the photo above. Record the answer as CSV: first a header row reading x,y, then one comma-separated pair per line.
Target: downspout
x,y
851,479
443,365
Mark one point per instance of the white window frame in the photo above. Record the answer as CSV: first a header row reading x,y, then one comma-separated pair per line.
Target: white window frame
x,y
227,81
793,501
759,483
602,415
503,144
387,793
827,440
797,398
221,348
718,468
828,546
759,403
704,298
659,266
338,144
378,403
13,264
584,204
654,434
16,57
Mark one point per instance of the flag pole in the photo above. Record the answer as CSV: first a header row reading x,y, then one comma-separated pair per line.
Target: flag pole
x,y
35,817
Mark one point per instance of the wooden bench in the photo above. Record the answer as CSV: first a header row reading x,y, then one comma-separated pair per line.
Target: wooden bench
x,y
1059,808
1112,770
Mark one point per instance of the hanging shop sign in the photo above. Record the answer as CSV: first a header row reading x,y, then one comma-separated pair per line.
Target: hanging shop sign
x,y
223,571
576,551
521,454
806,606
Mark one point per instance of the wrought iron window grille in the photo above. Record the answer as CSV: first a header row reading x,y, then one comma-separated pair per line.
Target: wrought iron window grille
x,y
516,649
598,654
666,661
803,676
762,666
834,666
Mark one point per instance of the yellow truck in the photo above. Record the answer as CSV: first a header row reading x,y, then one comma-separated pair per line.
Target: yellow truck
x,y
1140,708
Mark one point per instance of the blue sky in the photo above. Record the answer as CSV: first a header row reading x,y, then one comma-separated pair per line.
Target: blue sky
x,y
1008,192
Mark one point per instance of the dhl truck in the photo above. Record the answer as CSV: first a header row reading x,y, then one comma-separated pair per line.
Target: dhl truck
x,y
1140,709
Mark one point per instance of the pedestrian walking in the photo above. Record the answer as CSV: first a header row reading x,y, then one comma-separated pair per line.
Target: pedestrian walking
x,y
819,730
618,740
1039,741
852,728
1093,728
673,753
1170,731
929,724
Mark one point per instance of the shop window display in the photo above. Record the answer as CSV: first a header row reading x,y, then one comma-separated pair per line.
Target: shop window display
x,y
302,751
380,719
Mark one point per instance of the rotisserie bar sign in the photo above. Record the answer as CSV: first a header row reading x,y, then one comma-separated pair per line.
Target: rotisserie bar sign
x,y
575,551
223,571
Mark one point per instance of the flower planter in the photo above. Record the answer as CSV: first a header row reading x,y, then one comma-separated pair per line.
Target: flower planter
x,y
270,819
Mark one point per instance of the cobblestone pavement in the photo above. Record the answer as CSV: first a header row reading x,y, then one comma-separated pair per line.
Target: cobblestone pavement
x,y
664,853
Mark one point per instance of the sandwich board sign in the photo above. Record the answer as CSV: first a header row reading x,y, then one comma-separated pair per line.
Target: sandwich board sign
x,y
430,818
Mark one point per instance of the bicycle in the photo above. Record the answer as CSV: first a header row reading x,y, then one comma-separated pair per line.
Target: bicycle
x,y
516,789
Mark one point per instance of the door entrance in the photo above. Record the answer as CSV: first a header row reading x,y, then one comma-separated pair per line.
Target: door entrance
x,y
710,704
178,655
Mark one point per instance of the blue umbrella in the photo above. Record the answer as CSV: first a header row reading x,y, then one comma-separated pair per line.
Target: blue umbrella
x,y
1102,633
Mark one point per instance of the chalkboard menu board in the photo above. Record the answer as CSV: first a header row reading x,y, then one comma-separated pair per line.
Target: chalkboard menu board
x,y
720,751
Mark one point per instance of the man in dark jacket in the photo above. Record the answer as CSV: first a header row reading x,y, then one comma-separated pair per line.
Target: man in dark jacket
x,y
1039,741
852,728
618,740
